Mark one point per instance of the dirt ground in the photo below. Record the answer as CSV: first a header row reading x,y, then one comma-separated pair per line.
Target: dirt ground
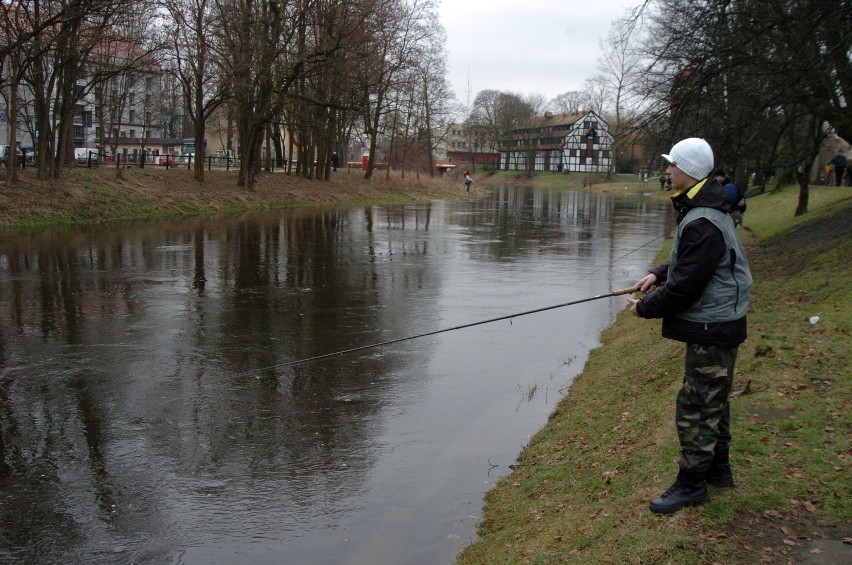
x,y
97,195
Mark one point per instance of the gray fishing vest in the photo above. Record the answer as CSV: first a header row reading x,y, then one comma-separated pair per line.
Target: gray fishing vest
x,y
726,296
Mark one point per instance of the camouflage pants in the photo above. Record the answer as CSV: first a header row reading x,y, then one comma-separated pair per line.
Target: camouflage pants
x,y
703,415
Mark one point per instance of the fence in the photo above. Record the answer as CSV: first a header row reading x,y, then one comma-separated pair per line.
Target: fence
x,y
167,160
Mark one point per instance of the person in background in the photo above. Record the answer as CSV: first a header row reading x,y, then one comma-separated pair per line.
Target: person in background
x,y
467,180
662,181
702,296
829,174
839,164
335,161
732,193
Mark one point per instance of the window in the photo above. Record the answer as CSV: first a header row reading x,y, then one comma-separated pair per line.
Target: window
x,y
131,116
133,134
87,118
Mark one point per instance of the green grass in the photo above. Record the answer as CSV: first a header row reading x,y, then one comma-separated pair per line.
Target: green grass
x,y
572,181
581,488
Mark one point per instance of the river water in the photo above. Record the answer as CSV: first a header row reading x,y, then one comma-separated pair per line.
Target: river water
x,y
150,411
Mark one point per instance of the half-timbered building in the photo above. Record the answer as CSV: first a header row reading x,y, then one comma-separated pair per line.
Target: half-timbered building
x,y
577,142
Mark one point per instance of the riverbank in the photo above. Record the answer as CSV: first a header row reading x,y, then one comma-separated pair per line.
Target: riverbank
x,y
573,181
580,490
95,195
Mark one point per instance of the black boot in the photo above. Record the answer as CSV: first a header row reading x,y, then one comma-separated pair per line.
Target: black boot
x,y
688,490
719,473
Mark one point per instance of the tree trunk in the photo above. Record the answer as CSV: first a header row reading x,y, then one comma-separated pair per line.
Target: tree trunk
x,y
804,190
200,132
11,119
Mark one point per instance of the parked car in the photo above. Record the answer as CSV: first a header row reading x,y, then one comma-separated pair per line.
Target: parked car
x,y
4,154
166,159
29,155
81,154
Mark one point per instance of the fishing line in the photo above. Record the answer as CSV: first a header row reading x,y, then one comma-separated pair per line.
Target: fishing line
x,y
620,292
454,328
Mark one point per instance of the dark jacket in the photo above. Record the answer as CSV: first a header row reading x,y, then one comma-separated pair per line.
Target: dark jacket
x,y
699,252
838,161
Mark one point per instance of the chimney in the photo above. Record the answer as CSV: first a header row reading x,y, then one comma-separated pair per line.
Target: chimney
x,y
548,115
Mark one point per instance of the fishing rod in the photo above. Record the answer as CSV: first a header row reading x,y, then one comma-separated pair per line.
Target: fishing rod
x,y
620,292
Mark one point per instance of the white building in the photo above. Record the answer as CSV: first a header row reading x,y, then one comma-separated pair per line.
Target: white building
x,y
577,142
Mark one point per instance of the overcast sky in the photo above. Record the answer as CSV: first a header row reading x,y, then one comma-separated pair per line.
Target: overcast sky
x,y
525,46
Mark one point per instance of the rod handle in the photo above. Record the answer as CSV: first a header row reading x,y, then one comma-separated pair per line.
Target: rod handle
x,y
630,290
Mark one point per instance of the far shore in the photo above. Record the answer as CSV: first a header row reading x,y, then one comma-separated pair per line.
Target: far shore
x,y
96,195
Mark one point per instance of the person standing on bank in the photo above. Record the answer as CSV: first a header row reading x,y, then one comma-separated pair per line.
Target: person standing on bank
x,y
702,296
839,164
732,192
467,180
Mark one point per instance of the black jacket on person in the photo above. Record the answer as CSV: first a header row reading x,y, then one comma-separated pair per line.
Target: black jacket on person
x,y
838,161
699,251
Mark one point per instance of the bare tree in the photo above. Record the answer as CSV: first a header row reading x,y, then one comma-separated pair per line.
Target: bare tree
x,y
266,51
420,104
745,73
16,21
170,104
619,68
395,31
536,102
195,67
498,113
570,102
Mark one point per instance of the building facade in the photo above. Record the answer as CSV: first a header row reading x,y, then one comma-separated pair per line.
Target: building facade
x,y
125,113
578,142
467,144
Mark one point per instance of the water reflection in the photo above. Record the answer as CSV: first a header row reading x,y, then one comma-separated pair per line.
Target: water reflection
x,y
148,412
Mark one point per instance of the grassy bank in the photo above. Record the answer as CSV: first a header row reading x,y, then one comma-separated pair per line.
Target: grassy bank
x,y
580,490
96,195
598,182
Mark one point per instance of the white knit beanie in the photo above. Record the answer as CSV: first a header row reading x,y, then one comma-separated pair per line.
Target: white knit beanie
x,y
693,156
